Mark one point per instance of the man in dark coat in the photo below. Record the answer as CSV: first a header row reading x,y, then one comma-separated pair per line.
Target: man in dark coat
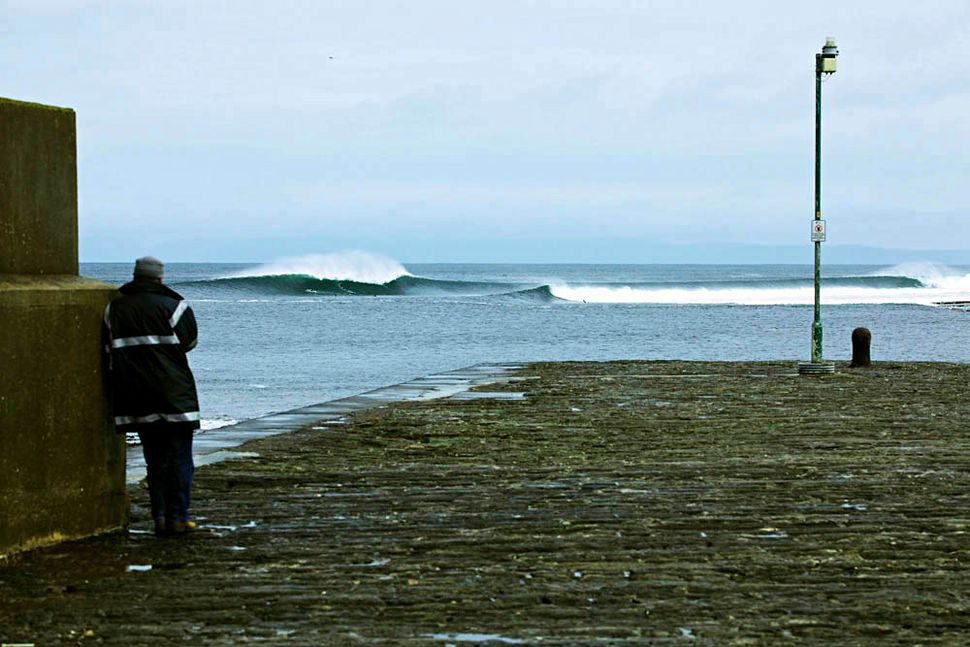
x,y
150,328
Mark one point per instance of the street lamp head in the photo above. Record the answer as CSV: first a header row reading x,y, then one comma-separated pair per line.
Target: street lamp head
x,y
825,62
829,49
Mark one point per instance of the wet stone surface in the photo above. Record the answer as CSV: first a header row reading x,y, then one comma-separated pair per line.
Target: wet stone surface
x,y
618,503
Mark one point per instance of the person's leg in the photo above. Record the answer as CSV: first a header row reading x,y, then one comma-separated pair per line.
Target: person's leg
x,y
153,448
167,450
182,473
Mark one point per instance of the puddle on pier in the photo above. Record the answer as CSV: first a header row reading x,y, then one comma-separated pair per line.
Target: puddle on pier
x,y
213,526
476,638
138,568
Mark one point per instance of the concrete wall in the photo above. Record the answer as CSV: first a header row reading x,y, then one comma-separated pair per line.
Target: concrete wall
x,y
62,466
38,189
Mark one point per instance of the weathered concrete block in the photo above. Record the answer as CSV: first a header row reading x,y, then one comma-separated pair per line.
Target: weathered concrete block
x,y
38,189
62,466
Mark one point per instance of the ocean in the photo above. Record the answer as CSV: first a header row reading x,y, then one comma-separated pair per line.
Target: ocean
x,y
281,335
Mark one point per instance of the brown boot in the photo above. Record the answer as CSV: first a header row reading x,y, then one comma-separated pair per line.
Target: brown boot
x,y
161,527
181,527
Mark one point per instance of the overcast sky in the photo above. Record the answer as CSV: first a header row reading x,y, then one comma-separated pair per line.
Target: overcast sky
x,y
499,131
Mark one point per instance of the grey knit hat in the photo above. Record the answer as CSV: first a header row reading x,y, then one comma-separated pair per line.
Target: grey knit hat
x,y
149,267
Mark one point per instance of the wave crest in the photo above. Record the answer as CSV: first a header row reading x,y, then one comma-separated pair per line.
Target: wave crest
x,y
301,284
356,266
931,275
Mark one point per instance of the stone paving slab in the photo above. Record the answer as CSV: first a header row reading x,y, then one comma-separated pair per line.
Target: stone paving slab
x,y
659,503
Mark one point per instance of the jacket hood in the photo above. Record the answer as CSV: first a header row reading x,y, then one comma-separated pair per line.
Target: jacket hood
x,y
139,286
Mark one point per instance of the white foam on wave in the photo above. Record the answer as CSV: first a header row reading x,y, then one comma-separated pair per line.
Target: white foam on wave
x,y
941,283
932,275
363,267
766,296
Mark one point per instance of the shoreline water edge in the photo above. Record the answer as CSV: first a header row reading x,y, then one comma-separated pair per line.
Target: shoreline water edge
x,y
218,444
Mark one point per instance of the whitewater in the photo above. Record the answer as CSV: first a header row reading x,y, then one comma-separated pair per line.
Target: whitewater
x,y
924,284
296,331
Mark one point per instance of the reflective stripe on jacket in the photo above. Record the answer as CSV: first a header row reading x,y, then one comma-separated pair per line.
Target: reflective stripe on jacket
x,y
148,331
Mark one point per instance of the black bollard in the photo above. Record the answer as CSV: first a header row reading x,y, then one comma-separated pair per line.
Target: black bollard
x,y
861,338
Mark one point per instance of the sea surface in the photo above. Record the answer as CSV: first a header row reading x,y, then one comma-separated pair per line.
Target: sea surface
x,y
299,331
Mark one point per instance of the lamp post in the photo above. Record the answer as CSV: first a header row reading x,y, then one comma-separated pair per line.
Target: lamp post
x,y
824,65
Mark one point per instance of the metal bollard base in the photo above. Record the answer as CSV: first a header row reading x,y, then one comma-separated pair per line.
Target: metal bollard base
x,y
816,368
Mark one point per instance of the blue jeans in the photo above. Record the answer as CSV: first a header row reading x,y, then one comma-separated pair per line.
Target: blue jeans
x,y
168,456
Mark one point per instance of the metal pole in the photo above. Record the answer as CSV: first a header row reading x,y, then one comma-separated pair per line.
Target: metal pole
x,y
817,324
824,64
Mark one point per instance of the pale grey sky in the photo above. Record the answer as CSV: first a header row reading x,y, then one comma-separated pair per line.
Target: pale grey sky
x,y
499,131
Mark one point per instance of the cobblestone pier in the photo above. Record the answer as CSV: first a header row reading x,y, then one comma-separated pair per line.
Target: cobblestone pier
x,y
595,503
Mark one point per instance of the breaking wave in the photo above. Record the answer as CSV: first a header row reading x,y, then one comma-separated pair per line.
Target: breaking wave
x,y
364,274
542,294
343,274
302,284
918,283
359,267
